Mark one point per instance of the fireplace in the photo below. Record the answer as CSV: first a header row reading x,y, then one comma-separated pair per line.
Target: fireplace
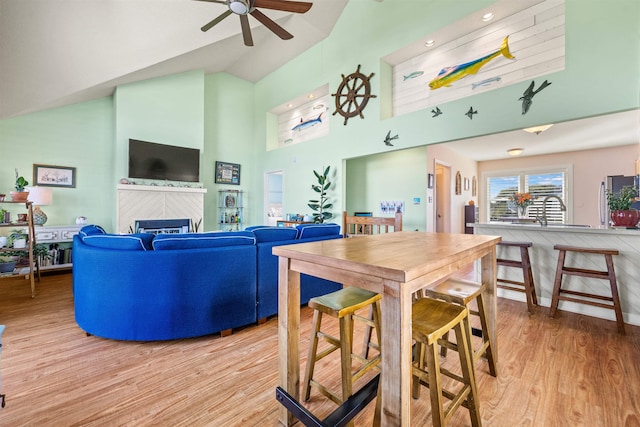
x,y
162,226
141,202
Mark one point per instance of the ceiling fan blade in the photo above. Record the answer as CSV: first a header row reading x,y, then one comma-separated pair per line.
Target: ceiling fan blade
x,y
284,5
270,24
246,30
208,26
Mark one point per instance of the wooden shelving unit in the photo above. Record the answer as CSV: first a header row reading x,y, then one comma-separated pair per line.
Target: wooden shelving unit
x,y
33,266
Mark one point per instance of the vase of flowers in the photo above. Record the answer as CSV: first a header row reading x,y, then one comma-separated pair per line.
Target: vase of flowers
x,y
521,201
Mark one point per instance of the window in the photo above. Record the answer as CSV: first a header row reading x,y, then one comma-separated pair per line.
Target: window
x,y
539,183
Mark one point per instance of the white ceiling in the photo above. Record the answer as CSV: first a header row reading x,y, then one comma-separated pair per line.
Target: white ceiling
x,y
585,134
58,52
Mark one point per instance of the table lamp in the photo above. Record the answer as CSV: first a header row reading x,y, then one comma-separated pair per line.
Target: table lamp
x,y
40,196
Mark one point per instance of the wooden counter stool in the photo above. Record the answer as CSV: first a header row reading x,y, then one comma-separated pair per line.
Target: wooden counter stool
x,y
463,292
342,305
524,263
432,319
569,295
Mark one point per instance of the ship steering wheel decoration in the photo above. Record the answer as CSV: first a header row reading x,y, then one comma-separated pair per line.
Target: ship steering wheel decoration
x,y
352,95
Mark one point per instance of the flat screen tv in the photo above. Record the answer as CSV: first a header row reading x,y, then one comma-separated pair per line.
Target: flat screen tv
x,y
148,160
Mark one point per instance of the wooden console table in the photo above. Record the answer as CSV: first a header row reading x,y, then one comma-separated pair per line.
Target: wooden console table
x,y
395,265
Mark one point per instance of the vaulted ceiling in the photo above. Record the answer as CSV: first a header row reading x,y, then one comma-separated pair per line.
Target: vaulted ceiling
x,y
58,52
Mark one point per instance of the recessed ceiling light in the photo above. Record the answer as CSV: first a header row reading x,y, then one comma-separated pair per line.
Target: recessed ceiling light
x,y
515,151
311,96
429,43
289,105
487,17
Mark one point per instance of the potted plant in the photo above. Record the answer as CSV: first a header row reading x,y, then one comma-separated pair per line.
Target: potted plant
x,y
7,264
17,239
620,206
320,205
20,195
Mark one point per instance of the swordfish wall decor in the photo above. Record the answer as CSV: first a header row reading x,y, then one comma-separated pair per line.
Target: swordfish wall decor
x,y
527,44
305,122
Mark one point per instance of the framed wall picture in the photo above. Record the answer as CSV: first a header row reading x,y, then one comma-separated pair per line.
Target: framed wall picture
x,y
227,173
54,176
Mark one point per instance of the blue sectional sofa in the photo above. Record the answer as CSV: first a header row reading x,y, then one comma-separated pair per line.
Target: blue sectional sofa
x,y
143,287
267,273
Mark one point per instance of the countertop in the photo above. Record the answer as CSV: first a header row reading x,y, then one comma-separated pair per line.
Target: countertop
x,y
558,228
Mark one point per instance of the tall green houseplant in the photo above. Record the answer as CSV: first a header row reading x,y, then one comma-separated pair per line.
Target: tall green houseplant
x,y
320,205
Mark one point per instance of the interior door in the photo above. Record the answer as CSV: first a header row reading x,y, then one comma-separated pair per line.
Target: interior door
x,y
442,197
273,196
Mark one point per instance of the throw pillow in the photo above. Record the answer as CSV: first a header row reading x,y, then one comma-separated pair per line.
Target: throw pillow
x,y
202,240
127,242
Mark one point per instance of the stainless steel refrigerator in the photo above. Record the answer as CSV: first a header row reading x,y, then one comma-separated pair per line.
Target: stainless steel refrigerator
x,y
613,183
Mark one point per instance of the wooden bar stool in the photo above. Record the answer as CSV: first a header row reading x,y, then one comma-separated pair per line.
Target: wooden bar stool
x,y
613,302
432,319
524,263
463,292
342,305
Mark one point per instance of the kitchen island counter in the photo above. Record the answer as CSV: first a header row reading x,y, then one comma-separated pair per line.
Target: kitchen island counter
x,y
544,260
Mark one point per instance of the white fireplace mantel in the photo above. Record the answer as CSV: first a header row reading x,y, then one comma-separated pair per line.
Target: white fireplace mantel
x,y
157,202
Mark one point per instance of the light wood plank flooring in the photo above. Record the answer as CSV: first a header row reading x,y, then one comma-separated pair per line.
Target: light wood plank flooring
x,y
569,371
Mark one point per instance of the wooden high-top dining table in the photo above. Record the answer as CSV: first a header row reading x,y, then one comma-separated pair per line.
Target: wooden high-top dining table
x,y
395,265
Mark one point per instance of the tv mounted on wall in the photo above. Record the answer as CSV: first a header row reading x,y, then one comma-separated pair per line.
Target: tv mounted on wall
x,y
148,160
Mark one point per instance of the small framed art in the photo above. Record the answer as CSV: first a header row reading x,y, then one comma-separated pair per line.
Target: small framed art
x,y
54,176
227,173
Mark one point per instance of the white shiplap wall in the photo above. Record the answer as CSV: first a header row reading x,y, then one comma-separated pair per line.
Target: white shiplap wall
x,y
536,39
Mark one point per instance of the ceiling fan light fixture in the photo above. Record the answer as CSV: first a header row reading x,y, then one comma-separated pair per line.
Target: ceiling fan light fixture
x,y
538,129
239,7
515,151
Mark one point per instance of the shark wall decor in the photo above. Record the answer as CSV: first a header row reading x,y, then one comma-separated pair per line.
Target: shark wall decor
x,y
305,124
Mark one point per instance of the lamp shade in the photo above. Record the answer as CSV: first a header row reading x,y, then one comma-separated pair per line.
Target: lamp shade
x,y
40,196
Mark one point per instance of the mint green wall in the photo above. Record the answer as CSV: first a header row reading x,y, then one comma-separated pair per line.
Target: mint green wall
x,y
166,110
602,75
80,136
229,138
382,177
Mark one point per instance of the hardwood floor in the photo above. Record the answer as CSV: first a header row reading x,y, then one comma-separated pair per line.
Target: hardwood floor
x,y
570,371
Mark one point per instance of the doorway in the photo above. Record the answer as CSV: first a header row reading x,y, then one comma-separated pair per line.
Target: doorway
x,y
442,197
273,196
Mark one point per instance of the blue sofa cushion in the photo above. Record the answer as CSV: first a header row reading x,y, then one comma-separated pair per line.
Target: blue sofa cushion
x,y
202,240
92,229
306,231
273,234
130,242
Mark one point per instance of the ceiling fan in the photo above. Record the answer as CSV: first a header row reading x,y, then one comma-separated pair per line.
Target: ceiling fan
x,y
242,8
